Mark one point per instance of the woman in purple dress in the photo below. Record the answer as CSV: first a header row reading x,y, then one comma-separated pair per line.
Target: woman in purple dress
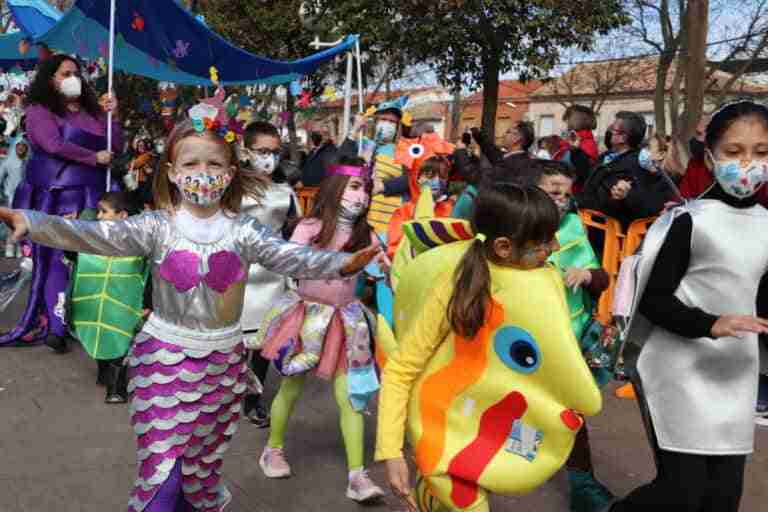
x,y
67,173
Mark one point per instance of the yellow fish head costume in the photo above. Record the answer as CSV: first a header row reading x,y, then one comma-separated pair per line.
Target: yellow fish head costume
x,y
497,413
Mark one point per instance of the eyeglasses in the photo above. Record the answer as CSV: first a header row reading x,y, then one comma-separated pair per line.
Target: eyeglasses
x,y
264,151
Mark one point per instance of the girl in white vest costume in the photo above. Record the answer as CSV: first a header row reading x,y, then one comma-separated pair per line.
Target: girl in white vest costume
x,y
693,350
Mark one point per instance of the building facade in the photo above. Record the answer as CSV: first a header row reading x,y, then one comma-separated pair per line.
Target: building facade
x,y
614,86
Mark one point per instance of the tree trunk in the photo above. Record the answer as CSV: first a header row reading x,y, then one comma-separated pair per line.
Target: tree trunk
x,y
293,147
490,93
696,65
677,97
659,94
455,116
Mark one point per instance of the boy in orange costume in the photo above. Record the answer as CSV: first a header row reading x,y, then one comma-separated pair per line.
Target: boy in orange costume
x,y
430,174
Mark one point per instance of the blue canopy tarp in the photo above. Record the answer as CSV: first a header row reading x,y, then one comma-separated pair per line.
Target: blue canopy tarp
x,y
162,40
33,17
11,57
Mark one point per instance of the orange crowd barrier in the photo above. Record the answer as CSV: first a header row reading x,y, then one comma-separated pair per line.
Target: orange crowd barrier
x,y
306,197
612,244
635,235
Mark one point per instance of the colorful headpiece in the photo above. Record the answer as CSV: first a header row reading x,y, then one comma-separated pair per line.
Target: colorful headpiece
x,y
397,104
215,115
350,170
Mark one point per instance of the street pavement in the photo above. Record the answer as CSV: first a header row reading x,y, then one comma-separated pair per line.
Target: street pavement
x,y
62,449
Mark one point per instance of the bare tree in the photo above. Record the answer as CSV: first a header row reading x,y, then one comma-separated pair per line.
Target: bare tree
x,y
697,18
660,26
735,37
593,83
743,51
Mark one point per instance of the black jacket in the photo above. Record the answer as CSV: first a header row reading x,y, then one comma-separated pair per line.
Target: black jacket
x,y
646,198
506,167
313,170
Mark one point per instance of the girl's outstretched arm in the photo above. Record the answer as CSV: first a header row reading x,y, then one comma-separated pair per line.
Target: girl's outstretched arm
x,y
131,237
263,246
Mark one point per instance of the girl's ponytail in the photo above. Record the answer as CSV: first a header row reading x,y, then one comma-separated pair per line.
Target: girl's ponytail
x,y
472,291
520,213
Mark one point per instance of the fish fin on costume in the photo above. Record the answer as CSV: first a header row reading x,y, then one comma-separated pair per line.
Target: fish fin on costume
x,y
426,234
425,205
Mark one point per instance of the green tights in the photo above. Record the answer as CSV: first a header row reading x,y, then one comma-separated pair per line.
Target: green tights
x,y
351,421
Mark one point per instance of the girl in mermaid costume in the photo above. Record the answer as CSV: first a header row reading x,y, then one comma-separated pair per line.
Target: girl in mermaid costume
x,y
187,373
324,327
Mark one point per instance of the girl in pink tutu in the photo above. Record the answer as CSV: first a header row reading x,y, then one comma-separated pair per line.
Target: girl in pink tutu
x,y
324,327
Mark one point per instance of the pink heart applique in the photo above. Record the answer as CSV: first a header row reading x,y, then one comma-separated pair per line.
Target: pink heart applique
x,y
224,269
181,268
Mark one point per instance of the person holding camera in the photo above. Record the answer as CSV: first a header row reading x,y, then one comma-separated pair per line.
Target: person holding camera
x,y
622,188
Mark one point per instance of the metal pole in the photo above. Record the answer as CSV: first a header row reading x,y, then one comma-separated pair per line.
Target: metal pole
x,y
347,96
360,106
110,79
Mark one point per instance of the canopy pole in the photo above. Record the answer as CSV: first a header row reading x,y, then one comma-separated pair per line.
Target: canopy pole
x,y
348,96
360,106
110,79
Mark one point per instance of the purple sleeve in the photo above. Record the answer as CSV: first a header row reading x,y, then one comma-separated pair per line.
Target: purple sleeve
x,y
118,141
43,131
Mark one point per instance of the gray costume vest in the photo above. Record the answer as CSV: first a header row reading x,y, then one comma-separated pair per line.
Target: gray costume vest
x,y
701,393
264,286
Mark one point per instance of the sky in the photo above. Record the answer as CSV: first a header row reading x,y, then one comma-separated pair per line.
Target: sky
x,y
727,19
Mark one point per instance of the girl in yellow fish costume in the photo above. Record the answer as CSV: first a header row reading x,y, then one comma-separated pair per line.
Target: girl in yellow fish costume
x,y
487,375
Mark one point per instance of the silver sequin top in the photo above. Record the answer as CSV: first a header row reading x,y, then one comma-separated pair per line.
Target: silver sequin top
x,y
199,266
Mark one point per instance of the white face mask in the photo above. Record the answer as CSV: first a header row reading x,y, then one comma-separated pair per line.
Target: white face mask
x,y
266,163
740,181
647,162
354,204
385,131
71,87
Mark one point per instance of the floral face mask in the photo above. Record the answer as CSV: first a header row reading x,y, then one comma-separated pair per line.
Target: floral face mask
x,y
740,181
203,189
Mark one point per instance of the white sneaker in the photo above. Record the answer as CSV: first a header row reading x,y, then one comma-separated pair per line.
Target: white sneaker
x,y
761,421
361,488
274,464
226,498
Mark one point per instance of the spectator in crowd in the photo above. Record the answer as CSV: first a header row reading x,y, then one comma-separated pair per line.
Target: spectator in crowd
x,y
622,188
697,178
322,155
551,147
578,146
608,154
513,164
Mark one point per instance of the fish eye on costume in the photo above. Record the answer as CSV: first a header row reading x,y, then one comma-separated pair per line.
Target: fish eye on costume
x,y
416,150
517,349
